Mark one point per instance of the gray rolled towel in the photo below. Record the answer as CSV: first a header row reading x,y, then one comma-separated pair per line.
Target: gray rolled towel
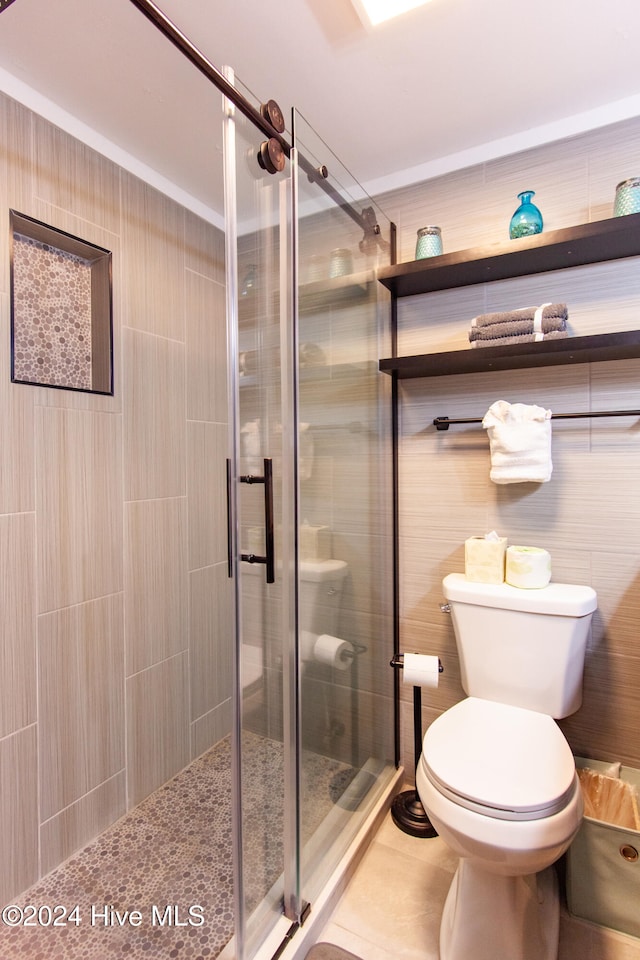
x,y
521,338
527,313
515,327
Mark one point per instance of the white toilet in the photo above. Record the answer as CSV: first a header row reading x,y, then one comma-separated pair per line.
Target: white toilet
x,y
496,776
321,589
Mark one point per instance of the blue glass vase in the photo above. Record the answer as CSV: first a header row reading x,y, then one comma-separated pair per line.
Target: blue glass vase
x,y
527,219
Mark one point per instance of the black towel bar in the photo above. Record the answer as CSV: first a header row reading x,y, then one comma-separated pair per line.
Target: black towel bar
x,y
443,423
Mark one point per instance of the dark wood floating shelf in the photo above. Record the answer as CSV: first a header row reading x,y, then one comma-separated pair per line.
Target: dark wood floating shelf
x,y
546,353
586,243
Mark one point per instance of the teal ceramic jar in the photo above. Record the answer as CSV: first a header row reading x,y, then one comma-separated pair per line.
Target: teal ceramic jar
x,y
429,243
627,197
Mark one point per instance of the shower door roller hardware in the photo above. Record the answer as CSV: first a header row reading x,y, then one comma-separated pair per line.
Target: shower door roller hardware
x,y
372,238
320,173
271,156
273,114
268,560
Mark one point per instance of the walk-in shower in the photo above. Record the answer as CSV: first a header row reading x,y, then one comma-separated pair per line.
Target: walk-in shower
x,y
224,687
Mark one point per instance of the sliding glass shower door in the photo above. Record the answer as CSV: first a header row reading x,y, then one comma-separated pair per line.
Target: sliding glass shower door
x,y
309,521
261,531
345,569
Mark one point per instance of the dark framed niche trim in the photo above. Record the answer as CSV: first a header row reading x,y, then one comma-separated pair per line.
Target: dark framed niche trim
x,y
61,309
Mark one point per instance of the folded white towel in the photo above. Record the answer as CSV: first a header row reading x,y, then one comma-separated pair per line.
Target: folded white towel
x,y
520,442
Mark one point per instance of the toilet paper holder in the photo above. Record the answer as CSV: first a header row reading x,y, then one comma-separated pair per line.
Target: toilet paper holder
x,y
398,662
407,810
356,650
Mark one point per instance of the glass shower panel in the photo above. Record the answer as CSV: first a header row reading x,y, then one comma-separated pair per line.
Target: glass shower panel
x,y
261,358
345,571
314,690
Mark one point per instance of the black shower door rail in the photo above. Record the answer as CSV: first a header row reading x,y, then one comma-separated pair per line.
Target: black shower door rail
x,y
315,174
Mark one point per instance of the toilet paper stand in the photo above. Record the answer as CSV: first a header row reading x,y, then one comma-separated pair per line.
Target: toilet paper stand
x,y
407,811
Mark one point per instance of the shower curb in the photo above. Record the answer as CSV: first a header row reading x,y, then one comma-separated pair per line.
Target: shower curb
x,y
324,905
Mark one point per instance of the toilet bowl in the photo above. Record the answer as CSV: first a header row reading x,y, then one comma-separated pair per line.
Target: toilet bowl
x,y
500,786
497,777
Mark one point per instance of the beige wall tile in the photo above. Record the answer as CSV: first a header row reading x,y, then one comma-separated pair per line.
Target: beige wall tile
x,y
157,726
72,176
153,260
606,725
81,705
16,173
206,349
613,157
154,417
211,638
616,580
155,581
600,298
17,493
210,728
558,174
439,321
613,387
207,493
17,623
442,201
79,506
81,822
18,812
447,500
203,247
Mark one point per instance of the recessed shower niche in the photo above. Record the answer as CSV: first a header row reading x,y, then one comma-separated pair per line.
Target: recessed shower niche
x,y
61,314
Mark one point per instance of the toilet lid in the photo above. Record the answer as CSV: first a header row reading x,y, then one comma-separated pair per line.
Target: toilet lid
x,y
505,762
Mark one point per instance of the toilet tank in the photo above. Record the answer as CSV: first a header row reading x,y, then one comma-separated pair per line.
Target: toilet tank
x,y
522,647
321,587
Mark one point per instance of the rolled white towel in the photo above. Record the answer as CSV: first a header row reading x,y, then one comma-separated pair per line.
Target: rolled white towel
x,y
520,442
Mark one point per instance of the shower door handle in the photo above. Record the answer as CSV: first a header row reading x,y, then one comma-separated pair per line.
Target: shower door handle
x,y
269,558
229,523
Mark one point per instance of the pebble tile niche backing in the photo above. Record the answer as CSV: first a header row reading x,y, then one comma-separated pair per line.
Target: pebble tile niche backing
x,y
52,316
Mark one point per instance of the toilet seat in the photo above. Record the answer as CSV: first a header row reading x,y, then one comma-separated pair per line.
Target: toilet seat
x,y
502,761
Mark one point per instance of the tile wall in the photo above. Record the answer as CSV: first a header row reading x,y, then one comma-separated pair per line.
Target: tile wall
x,y
588,514
114,598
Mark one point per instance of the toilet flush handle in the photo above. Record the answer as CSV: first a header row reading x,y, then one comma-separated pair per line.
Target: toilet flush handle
x,y
445,607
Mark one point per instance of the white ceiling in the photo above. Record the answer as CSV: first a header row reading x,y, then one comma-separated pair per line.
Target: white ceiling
x,y
437,88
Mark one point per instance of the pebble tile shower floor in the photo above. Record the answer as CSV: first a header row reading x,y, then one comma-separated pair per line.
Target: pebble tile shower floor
x,y
173,850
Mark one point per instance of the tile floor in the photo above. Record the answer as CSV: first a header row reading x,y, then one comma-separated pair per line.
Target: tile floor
x,y
393,903
170,852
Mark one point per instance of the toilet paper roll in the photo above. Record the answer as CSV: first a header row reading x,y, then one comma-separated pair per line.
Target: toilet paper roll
x,y
308,641
333,651
528,567
420,670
